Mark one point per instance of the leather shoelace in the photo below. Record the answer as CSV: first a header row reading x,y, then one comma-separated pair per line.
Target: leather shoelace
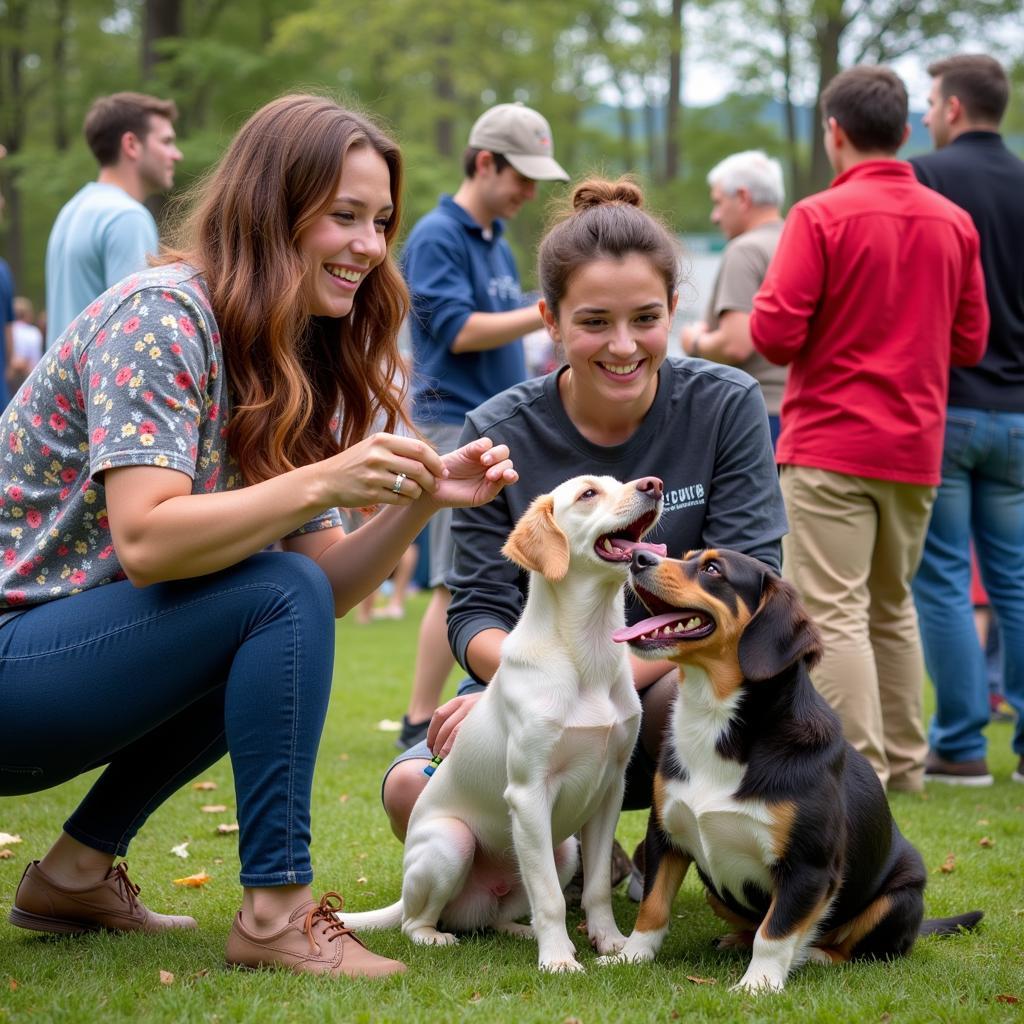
x,y
127,889
324,911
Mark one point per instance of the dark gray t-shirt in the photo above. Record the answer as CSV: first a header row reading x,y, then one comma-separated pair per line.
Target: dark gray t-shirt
x,y
706,436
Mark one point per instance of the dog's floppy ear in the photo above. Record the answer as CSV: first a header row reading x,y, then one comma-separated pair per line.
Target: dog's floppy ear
x,y
779,634
538,543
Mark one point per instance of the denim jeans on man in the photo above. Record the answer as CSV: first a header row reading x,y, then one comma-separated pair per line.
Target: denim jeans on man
x,y
981,496
159,683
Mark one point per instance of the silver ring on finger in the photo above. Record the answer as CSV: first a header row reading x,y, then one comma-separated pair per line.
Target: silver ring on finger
x,y
396,487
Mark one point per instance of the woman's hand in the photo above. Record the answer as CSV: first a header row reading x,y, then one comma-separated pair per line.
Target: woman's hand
x,y
367,472
474,474
445,723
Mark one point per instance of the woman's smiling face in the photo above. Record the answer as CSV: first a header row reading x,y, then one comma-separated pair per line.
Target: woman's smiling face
x,y
347,242
613,323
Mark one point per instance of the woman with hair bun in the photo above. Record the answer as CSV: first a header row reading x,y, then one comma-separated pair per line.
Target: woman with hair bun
x,y
189,417
621,407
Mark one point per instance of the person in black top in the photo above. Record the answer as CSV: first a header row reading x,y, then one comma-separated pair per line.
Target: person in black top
x,y
982,491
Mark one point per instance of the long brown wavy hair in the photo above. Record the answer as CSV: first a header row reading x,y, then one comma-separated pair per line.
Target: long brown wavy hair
x,y
290,373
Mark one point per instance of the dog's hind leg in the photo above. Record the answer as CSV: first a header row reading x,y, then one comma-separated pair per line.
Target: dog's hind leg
x,y
518,904
438,859
743,935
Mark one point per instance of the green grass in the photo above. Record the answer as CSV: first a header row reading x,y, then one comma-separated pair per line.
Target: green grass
x,y
490,978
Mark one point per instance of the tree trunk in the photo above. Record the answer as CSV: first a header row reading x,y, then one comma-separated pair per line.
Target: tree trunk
x,y
786,31
673,102
444,93
60,78
829,25
12,102
162,19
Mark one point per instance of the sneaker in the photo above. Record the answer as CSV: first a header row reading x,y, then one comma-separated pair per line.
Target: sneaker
x,y
635,891
314,941
622,868
1018,773
42,905
1000,710
411,733
957,773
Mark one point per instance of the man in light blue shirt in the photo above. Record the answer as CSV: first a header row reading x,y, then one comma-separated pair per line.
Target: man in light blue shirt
x,y
104,233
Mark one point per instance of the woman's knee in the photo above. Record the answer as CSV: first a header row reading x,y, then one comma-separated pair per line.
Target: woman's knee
x,y
402,788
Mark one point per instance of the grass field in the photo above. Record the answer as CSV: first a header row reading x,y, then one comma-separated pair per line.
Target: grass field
x,y
977,977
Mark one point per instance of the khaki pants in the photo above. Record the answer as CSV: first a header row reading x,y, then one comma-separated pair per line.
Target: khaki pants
x,y
852,550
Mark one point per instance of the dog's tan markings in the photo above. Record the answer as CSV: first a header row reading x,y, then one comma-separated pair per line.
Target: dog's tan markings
x,y
783,819
538,543
727,914
657,904
842,941
716,654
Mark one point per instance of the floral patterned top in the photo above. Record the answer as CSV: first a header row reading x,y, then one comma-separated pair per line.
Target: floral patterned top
x,y
136,380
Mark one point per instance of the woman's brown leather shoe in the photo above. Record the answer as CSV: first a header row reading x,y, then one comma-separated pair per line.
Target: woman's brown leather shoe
x,y
314,941
113,904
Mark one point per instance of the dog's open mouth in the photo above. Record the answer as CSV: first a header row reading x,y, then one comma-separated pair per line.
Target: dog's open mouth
x,y
667,627
619,546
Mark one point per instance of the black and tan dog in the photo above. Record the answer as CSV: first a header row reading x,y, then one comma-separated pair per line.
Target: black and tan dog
x,y
788,825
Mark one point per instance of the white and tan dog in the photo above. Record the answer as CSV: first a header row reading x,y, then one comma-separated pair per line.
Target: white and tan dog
x,y
543,754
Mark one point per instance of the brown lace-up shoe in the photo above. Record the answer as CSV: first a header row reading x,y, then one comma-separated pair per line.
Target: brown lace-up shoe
x,y
44,906
314,941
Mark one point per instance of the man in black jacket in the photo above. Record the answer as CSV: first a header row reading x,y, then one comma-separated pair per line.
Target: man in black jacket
x,y
982,492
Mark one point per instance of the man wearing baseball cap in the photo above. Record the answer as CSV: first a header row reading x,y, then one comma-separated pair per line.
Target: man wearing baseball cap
x,y
468,319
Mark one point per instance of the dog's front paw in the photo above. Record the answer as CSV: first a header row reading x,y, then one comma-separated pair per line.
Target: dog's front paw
x,y
432,937
561,965
758,981
607,941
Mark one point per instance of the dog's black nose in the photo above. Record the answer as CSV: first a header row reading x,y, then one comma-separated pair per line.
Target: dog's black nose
x,y
650,485
644,559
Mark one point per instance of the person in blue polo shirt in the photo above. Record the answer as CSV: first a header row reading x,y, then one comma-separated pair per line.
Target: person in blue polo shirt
x,y
468,319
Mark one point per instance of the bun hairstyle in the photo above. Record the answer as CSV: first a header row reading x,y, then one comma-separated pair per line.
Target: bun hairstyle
x,y
604,220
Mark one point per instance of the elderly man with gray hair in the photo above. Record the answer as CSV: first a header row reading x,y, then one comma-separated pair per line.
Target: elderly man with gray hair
x,y
746,194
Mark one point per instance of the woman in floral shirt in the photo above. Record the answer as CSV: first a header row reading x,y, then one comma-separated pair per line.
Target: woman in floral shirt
x,y
184,421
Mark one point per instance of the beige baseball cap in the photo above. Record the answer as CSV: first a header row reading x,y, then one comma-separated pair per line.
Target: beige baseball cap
x,y
522,137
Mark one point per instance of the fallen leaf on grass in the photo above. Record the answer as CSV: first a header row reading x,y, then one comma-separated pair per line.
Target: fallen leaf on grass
x,y
166,978
343,757
343,799
984,821
361,880
475,997
194,881
701,981
213,808
986,841
6,854
202,974
204,787
6,839
226,829
1005,997
389,725
12,985
181,850
948,866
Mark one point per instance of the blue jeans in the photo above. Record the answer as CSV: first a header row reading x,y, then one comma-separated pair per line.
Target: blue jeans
x,y
159,683
981,496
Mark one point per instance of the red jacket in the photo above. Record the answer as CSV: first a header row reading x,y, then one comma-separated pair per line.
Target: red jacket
x,y
875,289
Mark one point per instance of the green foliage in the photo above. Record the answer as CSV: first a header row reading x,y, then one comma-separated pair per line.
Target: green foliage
x,y
489,978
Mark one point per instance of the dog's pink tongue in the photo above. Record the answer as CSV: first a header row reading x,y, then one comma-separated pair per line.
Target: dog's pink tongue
x,y
627,633
638,545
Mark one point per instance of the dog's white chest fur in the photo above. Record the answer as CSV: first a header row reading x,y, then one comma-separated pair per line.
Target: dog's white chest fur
x,y
731,840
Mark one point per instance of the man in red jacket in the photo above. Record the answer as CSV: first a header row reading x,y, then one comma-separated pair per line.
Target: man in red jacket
x,y
875,290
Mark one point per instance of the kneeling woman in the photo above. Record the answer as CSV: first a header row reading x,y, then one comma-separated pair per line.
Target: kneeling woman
x,y
186,420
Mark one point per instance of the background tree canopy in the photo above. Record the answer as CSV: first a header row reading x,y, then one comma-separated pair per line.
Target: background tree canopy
x,y
606,73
